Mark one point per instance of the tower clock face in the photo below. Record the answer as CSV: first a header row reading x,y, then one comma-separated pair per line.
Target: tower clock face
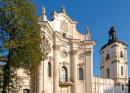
x,y
63,54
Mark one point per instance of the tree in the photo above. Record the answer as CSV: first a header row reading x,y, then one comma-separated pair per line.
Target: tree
x,y
20,35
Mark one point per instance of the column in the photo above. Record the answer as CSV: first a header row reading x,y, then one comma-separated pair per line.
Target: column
x,y
74,71
55,66
88,70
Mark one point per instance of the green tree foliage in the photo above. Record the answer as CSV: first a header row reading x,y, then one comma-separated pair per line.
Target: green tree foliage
x,y
20,33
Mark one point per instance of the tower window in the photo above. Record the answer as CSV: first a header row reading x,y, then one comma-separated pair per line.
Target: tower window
x,y
49,69
121,54
122,70
64,34
123,86
80,73
107,56
108,73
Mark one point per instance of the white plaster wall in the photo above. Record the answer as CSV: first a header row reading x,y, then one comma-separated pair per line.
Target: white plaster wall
x,y
115,67
101,85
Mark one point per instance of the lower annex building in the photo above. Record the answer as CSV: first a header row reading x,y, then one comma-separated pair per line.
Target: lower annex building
x,y
69,65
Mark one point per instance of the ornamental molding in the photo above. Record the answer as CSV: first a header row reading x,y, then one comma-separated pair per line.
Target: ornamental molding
x,y
80,56
63,54
87,53
81,64
56,47
64,63
74,52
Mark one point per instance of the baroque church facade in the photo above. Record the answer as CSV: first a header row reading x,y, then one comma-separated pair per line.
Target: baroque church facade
x,y
69,64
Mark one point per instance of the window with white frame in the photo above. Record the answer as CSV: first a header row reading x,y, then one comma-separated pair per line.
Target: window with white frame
x,y
63,73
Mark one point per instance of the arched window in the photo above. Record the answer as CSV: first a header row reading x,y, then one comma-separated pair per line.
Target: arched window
x,y
26,91
49,69
108,73
122,70
63,73
121,54
81,74
123,86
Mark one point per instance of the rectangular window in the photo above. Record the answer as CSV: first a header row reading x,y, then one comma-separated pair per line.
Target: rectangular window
x,y
81,74
107,56
122,70
108,73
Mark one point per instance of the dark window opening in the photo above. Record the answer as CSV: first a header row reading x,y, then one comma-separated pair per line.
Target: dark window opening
x,y
123,86
26,91
64,34
107,56
49,69
121,54
108,73
122,70
81,74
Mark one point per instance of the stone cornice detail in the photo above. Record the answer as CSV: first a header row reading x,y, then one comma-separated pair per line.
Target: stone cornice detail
x,y
88,42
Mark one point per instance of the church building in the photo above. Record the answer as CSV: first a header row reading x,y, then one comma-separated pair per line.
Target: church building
x,y
68,67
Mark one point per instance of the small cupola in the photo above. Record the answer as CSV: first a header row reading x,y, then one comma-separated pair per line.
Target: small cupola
x,y
112,34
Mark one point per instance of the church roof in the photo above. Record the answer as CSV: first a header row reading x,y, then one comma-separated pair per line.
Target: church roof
x,y
109,43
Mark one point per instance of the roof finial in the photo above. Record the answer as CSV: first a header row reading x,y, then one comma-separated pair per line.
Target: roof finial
x,y
63,9
44,17
87,34
43,10
87,30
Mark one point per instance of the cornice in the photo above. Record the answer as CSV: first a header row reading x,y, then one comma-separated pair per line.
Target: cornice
x,y
88,42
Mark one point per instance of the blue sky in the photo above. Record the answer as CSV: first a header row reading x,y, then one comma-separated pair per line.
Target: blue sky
x,y
98,15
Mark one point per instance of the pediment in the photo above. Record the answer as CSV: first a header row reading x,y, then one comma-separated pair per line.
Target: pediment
x,y
66,18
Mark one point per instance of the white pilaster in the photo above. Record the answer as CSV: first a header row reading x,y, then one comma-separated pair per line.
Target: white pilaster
x,y
74,69
40,78
88,70
55,66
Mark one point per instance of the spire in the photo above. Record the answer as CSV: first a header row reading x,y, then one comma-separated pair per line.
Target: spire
x,y
63,10
44,17
112,34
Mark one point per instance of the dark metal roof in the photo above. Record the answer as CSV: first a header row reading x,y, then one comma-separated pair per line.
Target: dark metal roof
x,y
110,42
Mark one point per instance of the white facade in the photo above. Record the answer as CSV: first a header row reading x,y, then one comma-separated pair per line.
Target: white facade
x,y
70,55
114,66
69,65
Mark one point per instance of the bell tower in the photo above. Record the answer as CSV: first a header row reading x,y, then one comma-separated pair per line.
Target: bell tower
x,y
114,62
